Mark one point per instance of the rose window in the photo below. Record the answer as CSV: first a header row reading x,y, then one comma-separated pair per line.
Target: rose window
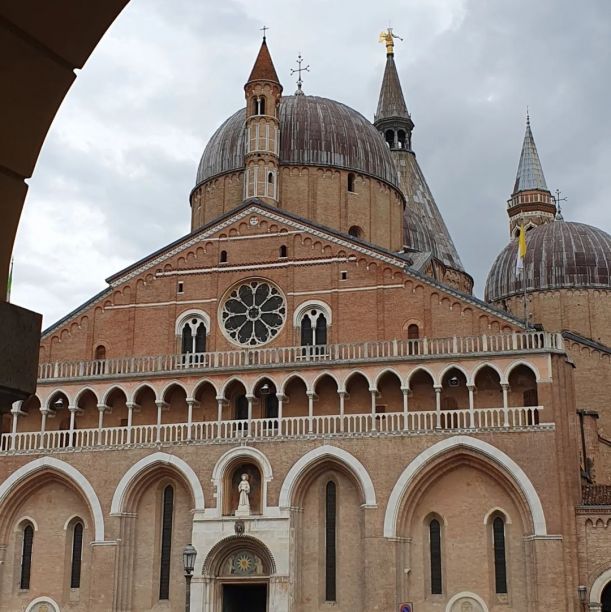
x,y
253,313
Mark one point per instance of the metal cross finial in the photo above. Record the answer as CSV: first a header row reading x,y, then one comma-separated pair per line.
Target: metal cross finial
x,y
557,201
264,30
299,70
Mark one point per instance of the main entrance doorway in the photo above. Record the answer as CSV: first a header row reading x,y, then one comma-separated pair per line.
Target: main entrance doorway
x,y
245,598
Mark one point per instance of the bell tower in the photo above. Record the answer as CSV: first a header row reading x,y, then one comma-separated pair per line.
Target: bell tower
x,y
531,202
262,144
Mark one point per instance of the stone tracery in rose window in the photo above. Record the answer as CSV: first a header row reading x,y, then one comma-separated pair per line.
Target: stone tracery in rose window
x,y
253,313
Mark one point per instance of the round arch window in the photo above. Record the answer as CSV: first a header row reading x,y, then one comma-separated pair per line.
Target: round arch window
x,y
253,313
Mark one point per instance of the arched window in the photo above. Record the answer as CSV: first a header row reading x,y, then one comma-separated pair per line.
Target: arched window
x,y
389,136
167,510
255,105
262,105
413,332
500,562
193,336
435,557
223,257
351,178
355,231
313,328
270,178
26,556
401,139
283,251
77,554
330,541
100,352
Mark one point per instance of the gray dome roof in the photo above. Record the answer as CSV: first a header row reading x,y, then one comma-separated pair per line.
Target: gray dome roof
x,y
313,131
558,255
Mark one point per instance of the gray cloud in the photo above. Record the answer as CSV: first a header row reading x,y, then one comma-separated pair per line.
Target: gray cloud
x,y
113,179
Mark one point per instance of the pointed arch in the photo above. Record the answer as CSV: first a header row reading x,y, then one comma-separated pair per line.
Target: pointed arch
x,y
228,383
147,463
289,378
56,393
351,376
531,366
317,455
481,366
200,385
498,457
449,368
466,594
420,369
387,371
323,375
63,469
226,546
141,388
106,396
599,585
169,386
82,392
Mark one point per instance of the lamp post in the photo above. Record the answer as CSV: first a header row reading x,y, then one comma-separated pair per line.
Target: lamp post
x,y
582,591
188,561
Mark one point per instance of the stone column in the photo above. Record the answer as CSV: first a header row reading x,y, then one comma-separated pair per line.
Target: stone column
x,y
160,407
505,388
342,404
471,389
101,409
374,397
190,403
437,407
73,410
311,396
281,399
43,424
15,413
219,414
405,391
249,428
130,417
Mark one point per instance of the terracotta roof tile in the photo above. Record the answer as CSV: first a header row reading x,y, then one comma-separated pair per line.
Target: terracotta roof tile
x,y
263,70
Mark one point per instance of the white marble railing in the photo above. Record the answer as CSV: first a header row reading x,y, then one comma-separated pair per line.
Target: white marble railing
x,y
298,355
287,427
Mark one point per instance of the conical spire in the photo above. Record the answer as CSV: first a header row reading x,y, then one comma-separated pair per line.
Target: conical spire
x,y
263,70
530,173
391,102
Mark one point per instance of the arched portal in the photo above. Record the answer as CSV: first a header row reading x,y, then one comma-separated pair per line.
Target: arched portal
x,y
238,571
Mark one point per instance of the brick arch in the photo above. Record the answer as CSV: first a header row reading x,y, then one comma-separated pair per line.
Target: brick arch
x,y
67,474
323,453
494,457
146,465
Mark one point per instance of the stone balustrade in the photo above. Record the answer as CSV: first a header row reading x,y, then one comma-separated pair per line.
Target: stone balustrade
x,y
290,427
294,356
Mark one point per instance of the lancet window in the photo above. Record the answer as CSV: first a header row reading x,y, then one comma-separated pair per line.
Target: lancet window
x,y
435,556
26,556
77,555
500,559
167,511
330,541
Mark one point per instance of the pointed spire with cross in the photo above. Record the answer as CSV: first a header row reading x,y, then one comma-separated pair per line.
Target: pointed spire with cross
x,y
299,70
264,30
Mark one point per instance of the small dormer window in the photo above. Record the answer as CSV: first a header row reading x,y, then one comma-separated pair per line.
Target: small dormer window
x,y
356,231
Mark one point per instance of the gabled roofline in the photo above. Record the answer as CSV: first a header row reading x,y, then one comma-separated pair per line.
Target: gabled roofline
x,y
254,204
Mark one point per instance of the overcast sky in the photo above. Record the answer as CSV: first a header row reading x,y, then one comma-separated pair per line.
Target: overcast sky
x,y
113,179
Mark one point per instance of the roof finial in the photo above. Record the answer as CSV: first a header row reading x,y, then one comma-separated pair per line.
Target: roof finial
x,y
557,201
264,30
299,70
527,116
387,38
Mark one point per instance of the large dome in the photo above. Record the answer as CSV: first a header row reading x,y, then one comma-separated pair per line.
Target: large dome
x,y
313,131
558,255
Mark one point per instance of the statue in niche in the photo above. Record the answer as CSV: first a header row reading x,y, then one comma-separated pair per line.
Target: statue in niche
x,y
243,502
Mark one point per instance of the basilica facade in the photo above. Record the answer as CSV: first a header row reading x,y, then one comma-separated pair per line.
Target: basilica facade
x,y
301,405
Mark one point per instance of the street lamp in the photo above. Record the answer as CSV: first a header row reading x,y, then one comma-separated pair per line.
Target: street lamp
x,y
582,591
188,561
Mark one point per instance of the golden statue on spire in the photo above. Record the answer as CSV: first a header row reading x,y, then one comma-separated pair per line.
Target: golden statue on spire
x,y
387,37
